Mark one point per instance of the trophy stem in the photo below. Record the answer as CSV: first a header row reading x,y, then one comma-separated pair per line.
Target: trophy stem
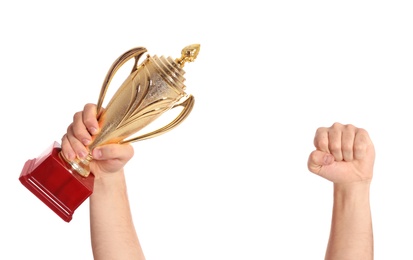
x,y
81,166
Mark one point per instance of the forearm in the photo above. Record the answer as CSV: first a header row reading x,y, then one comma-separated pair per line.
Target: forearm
x,y
351,234
112,230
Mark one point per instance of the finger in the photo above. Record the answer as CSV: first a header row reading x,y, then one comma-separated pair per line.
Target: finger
x,y
67,149
317,160
89,118
321,139
123,152
334,141
347,142
361,142
76,140
78,130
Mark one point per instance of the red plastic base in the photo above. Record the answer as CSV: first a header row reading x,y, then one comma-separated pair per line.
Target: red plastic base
x,y
49,178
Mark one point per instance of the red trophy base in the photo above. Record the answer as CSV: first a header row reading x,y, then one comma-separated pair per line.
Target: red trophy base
x,y
49,178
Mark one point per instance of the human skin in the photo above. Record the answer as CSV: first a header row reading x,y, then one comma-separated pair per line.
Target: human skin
x,y
344,155
113,234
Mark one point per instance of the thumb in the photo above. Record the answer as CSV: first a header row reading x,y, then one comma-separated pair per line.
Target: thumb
x,y
318,159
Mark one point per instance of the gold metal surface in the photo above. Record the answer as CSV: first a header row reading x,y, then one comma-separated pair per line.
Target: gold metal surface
x,y
188,54
152,88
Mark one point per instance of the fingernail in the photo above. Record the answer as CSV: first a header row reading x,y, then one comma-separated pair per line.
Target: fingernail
x,y
93,130
97,153
82,155
70,156
328,158
86,141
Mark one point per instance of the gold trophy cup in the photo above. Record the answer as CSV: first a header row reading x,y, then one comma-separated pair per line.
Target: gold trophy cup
x,y
152,88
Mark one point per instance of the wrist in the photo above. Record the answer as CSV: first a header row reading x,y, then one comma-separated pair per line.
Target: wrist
x,y
109,183
354,193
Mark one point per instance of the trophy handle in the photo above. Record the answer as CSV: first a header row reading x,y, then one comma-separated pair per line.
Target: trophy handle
x,y
132,53
187,104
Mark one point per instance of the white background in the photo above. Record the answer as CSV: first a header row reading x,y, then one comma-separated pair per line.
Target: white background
x,y
231,182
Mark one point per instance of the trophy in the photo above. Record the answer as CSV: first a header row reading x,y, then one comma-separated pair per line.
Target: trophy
x,y
153,87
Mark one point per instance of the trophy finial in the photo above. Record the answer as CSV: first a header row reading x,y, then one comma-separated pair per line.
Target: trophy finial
x,y
189,54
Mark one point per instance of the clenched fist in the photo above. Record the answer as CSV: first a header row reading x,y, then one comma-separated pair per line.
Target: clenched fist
x,y
343,154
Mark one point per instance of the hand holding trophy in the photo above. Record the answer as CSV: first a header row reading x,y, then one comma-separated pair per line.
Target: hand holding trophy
x,y
152,88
